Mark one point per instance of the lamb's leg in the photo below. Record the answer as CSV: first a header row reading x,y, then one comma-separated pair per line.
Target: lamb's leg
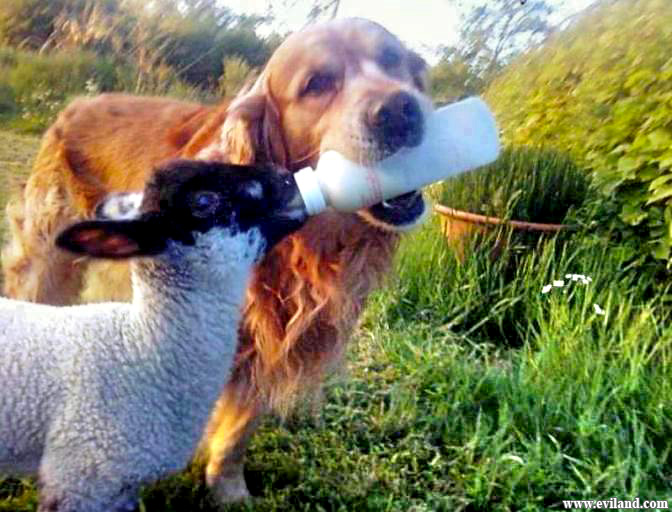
x,y
74,485
71,503
66,502
33,268
231,427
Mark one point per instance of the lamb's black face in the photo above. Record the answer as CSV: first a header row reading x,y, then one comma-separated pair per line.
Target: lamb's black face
x,y
185,198
194,196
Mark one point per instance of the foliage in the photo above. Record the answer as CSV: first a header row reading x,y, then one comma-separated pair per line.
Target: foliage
x,y
16,156
27,22
8,105
196,44
56,50
322,8
235,75
602,90
191,37
523,184
34,88
495,31
453,78
491,34
495,301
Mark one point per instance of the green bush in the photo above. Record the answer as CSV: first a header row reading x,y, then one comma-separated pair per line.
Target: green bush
x,y
235,75
8,104
35,87
62,72
523,184
7,57
602,90
162,80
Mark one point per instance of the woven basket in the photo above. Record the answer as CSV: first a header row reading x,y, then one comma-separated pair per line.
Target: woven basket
x,y
460,227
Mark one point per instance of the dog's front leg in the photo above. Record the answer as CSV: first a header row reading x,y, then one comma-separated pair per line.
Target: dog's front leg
x,y
232,424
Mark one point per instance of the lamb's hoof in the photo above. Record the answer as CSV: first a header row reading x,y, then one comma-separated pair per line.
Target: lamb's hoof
x,y
230,489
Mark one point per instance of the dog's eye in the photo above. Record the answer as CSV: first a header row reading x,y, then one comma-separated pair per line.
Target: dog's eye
x,y
204,203
318,84
389,59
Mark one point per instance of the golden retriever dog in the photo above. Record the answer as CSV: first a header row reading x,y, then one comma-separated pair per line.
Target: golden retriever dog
x,y
347,85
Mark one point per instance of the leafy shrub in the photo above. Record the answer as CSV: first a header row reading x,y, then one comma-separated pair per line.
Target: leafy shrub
x,y
8,104
162,80
235,74
7,57
602,90
36,86
523,184
61,72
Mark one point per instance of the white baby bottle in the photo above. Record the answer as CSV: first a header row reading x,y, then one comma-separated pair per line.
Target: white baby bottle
x,y
458,137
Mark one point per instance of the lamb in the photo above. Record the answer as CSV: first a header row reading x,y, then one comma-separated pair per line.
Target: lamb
x,y
100,399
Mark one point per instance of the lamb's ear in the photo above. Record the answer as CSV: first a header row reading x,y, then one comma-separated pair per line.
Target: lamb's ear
x,y
112,239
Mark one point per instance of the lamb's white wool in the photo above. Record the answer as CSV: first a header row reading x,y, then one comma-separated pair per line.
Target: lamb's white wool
x,y
124,206
99,399
104,397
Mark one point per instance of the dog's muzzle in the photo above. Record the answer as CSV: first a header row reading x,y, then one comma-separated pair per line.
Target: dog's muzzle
x,y
396,122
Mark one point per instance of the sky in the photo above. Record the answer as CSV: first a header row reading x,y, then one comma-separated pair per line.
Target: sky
x,y
422,24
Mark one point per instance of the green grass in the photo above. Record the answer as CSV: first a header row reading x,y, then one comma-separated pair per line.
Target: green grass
x,y
524,184
35,87
468,389
16,156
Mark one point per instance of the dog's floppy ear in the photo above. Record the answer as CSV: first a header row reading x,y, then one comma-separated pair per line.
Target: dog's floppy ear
x,y
419,71
251,130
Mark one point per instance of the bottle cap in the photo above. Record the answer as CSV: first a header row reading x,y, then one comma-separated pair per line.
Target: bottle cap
x,y
311,193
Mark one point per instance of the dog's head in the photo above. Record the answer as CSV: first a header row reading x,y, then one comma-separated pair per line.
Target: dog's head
x,y
347,85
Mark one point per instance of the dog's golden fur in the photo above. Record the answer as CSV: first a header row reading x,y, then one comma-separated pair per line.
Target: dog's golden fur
x,y
306,296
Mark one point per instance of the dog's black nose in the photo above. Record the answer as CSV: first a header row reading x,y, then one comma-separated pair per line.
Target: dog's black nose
x,y
397,121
